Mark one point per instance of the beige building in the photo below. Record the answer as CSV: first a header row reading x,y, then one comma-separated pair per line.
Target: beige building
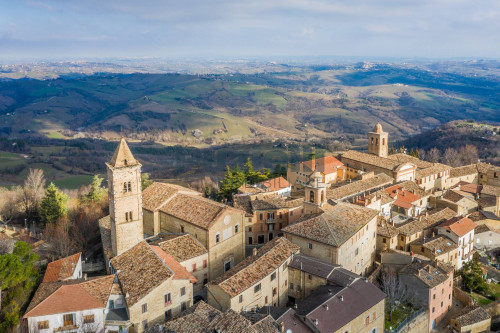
x,y
154,285
440,248
189,252
472,319
353,190
344,234
434,177
330,168
259,280
461,203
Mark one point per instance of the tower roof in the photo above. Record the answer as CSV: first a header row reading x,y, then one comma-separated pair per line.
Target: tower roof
x,y
123,156
378,128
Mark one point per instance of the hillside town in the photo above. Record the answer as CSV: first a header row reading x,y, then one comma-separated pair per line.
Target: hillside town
x,y
359,242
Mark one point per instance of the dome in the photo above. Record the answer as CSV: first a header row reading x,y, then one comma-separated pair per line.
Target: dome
x,y
377,128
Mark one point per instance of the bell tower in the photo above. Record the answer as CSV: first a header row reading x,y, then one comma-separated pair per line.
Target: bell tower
x,y
378,141
315,193
125,199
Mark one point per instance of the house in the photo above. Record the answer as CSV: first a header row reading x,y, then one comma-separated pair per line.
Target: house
x,y
435,177
485,217
472,319
467,173
409,199
188,252
486,237
489,174
344,234
68,268
346,305
353,190
278,185
331,169
431,284
202,318
387,235
155,286
259,280
487,196
266,215
75,305
461,231
459,202
439,248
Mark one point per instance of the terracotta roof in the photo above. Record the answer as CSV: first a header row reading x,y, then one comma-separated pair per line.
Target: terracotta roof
x,y
335,226
437,216
465,170
180,246
470,188
359,186
256,267
180,273
59,297
486,202
199,211
485,228
140,270
459,225
381,162
405,158
490,190
483,167
427,273
325,165
472,314
274,184
243,202
436,168
61,269
123,156
276,203
437,245
250,189
386,229
158,194
453,196
403,204
403,193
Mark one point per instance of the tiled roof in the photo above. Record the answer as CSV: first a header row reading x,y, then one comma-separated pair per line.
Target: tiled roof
x,y
359,186
427,273
436,168
276,203
403,204
105,230
486,202
140,270
243,202
470,188
59,297
490,190
485,167
274,184
199,211
158,194
459,225
180,273
453,196
472,314
335,226
465,170
438,245
406,192
61,269
411,227
483,215
181,246
485,228
123,156
250,189
381,162
436,216
256,267
404,158
325,165
386,229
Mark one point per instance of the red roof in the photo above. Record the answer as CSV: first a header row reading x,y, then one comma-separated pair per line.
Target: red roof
x,y
325,165
275,184
61,269
180,273
471,188
402,194
459,225
401,203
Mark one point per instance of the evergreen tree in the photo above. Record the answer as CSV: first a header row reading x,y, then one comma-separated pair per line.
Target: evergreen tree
x,y
392,150
412,153
53,206
402,150
145,181
96,192
472,277
417,154
250,175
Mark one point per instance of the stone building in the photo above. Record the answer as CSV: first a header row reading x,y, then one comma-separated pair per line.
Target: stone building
x,y
155,286
472,319
461,231
330,168
461,203
486,237
378,142
344,234
259,280
431,284
439,248
278,185
434,177
353,190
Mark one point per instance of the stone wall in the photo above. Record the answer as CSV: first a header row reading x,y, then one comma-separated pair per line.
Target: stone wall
x,y
462,296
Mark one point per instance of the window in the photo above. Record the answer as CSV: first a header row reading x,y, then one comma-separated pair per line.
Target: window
x,y
183,291
128,216
309,276
127,187
357,251
194,267
250,229
241,299
217,237
291,286
265,301
402,238
275,291
441,304
88,319
273,276
434,296
286,283
205,263
68,320
374,316
183,306
145,308
433,310
256,289
182,229
145,324
168,299
236,228
261,216
168,315
384,240
250,240
367,321
43,324
310,246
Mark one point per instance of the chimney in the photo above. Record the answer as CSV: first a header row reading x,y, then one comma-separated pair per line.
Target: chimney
x,y
282,327
295,306
341,298
85,276
254,251
429,269
329,291
315,321
326,307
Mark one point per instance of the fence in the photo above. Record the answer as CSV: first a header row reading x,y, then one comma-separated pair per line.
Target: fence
x,y
406,321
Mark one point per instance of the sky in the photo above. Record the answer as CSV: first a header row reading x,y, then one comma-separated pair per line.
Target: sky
x,y
60,29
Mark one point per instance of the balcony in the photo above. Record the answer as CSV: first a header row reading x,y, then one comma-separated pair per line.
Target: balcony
x,y
271,221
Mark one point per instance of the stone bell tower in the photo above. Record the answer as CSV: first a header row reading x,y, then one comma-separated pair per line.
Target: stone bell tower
x,y
125,199
378,141
315,193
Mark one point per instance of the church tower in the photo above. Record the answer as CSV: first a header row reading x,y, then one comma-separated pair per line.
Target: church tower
x,y
315,193
378,142
125,199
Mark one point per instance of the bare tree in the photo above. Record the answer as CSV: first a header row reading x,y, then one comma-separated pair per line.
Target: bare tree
x,y
86,225
58,236
9,203
33,191
468,154
6,245
397,295
207,186
433,155
451,157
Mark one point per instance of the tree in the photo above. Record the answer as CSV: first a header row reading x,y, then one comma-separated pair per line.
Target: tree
x,y
397,294
33,192
416,153
85,227
53,206
451,157
402,150
227,185
433,155
468,154
392,151
9,203
279,171
145,181
58,236
472,277
96,192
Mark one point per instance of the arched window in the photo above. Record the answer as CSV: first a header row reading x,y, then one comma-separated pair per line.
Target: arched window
x,y
311,196
383,142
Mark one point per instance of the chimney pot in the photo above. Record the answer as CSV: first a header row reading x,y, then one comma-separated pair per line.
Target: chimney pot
x,y
254,251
